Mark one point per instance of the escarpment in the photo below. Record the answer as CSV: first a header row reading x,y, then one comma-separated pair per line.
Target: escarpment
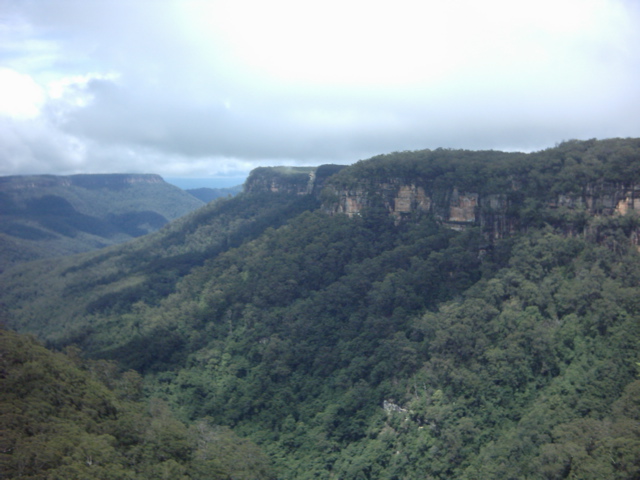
x,y
86,181
498,213
499,192
293,180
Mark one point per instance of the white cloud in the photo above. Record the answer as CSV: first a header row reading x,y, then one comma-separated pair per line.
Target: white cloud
x,y
20,95
35,146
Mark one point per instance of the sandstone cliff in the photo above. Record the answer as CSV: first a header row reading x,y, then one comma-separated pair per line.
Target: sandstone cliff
x,y
498,214
295,180
497,191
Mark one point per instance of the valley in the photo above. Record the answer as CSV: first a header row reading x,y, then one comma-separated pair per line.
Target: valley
x,y
439,314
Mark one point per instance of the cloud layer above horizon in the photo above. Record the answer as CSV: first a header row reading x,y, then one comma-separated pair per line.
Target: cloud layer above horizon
x,y
195,88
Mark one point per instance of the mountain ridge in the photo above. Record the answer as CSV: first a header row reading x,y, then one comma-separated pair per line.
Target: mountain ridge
x,y
95,180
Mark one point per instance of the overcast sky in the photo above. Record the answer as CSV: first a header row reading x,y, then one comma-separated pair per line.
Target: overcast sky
x,y
215,88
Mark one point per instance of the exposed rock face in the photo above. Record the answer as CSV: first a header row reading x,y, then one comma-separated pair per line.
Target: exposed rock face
x,y
602,198
411,198
401,199
458,209
391,407
292,180
493,216
627,204
455,208
398,199
463,207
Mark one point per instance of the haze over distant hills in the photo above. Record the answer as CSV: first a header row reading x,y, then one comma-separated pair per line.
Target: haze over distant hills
x,y
209,194
46,215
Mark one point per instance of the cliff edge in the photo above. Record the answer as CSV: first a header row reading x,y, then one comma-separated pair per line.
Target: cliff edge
x,y
500,192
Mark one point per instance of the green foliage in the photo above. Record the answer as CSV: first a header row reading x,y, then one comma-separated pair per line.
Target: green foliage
x,y
358,348
111,282
61,417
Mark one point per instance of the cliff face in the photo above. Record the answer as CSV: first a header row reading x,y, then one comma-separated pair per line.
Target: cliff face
x,y
292,180
499,214
603,198
456,209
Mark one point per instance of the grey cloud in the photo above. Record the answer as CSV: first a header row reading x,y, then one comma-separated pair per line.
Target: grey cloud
x,y
183,100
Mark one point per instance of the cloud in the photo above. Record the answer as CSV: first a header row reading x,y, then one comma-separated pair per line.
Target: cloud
x,y
189,88
20,96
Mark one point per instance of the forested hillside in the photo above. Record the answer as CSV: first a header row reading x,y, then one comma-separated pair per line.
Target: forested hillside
x,y
436,314
64,417
43,216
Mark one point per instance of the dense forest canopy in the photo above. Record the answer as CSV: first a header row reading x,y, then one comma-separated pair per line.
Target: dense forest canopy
x,y
363,347
68,418
568,166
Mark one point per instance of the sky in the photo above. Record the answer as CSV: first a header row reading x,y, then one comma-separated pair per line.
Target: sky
x,y
212,89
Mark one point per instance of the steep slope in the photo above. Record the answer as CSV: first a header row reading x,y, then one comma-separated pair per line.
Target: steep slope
x,y
143,271
44,216
390,340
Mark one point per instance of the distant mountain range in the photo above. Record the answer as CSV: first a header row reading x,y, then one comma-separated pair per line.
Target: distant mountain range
x,y
46,215
209,194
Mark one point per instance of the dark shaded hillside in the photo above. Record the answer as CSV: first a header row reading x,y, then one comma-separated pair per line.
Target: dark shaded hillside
x,y
401,338
44,216
146,270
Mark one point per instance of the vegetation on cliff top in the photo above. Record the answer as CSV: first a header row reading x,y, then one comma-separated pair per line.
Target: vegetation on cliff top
x,y
566,168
